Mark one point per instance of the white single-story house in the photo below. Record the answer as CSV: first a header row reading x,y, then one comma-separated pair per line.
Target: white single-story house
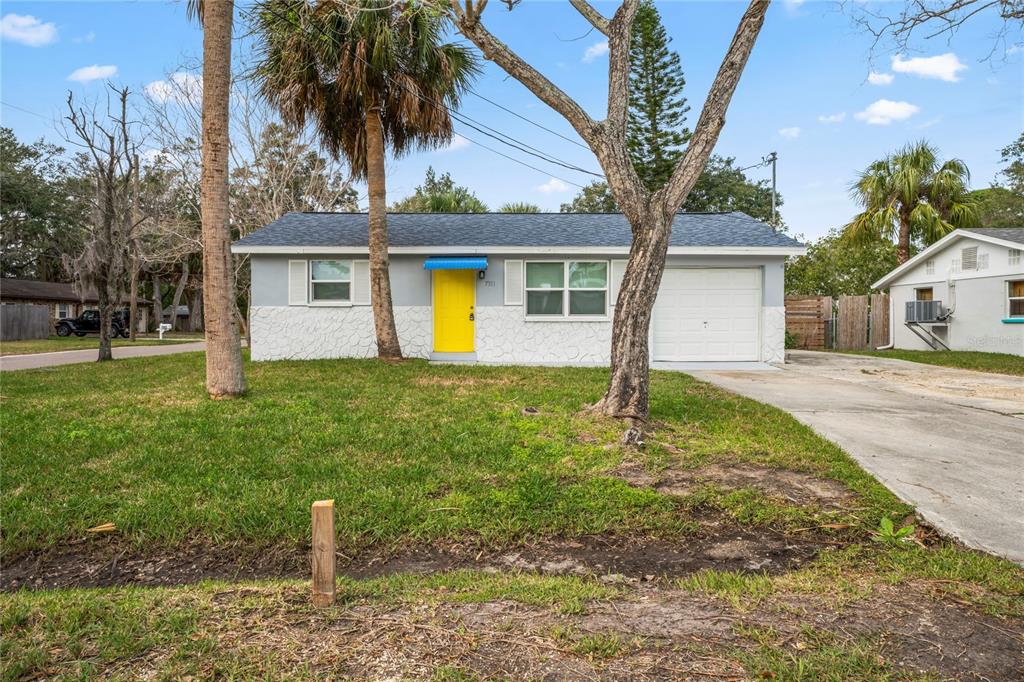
x,y
514,288
964,292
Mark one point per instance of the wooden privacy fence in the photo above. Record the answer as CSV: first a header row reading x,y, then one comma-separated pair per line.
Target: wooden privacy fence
x,y
24,321
807,320
855,323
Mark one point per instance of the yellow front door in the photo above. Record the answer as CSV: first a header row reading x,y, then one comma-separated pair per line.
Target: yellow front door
x,y
454,301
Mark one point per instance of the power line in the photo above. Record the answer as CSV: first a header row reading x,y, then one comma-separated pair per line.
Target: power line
x,y
530,121
523,163
23,110
465,120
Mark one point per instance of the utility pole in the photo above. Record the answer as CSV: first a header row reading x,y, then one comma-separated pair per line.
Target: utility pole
x,y
772,158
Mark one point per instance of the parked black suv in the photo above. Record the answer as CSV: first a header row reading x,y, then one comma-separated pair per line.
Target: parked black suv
x,y
89,323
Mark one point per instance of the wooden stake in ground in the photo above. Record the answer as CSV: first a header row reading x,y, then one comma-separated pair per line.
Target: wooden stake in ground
x,y
323,553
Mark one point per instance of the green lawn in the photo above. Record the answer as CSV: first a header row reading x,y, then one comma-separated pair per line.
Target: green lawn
x,y
57,343
417,455
998,363
409,453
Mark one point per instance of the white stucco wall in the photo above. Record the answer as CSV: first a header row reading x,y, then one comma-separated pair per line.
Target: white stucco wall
x,y
773,334
503,335
311,333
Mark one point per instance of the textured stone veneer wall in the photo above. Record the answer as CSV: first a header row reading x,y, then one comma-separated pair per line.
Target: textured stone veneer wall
x,y
301,333
502,335
773,334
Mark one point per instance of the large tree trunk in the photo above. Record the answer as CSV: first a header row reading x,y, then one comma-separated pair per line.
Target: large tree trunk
x,y
628,389
179,291
158,302
388,346
195,311
133,304
106,311
224,373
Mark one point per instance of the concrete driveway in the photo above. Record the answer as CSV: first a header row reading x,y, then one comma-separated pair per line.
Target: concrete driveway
x,y
948,441
72,357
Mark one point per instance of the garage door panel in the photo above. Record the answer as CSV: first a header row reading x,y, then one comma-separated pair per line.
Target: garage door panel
x,y
708,315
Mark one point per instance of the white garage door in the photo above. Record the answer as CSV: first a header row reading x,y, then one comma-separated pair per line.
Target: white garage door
x,y
708,314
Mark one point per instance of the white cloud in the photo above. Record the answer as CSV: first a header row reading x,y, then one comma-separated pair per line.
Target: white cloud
x,y
1014,49
179,86
790,133
929,123
946,67
458,142
27,30
553,186
87,38
594,51
832,118
885,111
93,73
876,78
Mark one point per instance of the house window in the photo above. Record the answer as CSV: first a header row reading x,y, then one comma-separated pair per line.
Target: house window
x,y
63,311
1014,257
567,288
330,281
1015,298
929,267
924,294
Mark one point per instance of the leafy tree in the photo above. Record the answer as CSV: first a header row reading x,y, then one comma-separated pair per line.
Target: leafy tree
x,y
439,195
1003,205
596,197
38,223
834,267
721,187
909,196
657,108
373,75
519,207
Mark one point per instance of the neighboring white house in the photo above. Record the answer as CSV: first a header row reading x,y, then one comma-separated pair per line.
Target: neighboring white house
x,y
514,288
964,292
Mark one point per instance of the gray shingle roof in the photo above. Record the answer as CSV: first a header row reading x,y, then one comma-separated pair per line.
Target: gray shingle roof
x,y
1010,234
510,229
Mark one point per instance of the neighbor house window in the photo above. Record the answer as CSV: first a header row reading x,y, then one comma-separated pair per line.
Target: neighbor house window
x,y
330,281
924,294
63,311
1014,256
567,288
929,267
1015,299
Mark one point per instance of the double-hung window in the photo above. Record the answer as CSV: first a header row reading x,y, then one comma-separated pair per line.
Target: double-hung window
x,y
1015,299
330,281
566,289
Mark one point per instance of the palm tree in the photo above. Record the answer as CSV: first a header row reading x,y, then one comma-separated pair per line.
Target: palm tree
x,y
370,77
224,374
908,196
519,207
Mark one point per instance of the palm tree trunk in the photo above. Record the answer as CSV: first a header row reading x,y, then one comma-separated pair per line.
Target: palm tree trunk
x,y
224,374
903,246
388,346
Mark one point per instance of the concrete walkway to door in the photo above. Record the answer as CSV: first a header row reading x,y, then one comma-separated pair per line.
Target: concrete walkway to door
x,y
949,441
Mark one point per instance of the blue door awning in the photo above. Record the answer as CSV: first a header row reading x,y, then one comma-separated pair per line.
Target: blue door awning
x,y
448,263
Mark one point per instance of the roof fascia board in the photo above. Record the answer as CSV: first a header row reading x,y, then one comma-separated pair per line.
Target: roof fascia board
x,y
512,250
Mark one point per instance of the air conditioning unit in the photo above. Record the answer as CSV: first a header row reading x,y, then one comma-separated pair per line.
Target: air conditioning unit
x,y
926,311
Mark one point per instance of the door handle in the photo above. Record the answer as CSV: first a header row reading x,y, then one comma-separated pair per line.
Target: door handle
x,y
472,317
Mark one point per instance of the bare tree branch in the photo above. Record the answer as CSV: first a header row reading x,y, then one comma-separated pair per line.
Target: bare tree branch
x,y
595,18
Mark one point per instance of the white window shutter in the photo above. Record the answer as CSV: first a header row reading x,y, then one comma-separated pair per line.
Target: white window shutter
x,y
513,282
618,270
361,282
298,283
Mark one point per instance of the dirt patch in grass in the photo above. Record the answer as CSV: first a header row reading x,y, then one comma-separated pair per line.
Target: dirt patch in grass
x,y
108,562
794,486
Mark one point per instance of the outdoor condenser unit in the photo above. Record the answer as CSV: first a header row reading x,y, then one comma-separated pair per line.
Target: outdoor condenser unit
x,y
926,311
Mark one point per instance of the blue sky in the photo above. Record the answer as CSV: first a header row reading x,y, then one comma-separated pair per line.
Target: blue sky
x,y
806,92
